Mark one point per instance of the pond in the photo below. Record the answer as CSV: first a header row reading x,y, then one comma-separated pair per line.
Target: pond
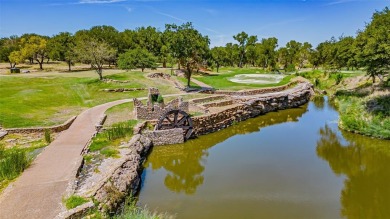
x,y
293,163
257,78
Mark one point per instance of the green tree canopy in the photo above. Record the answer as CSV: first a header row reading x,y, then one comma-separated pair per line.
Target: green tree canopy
x,y
137,58
187,45
244,41
62,47
95,53
373,44
219,56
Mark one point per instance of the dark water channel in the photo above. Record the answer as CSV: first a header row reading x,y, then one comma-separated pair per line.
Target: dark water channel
x,y
290,164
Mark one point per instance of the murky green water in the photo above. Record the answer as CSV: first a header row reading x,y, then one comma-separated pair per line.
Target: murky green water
x,y
289,164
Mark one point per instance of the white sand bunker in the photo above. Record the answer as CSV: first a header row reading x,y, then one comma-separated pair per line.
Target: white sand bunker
x,y
257,78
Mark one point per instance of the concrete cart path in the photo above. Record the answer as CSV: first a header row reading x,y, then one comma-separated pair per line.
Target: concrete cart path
x,y
38,192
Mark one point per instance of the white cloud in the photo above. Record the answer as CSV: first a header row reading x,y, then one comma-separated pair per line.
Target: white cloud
x,y
129,9
211,11
170,16
340,2
99,1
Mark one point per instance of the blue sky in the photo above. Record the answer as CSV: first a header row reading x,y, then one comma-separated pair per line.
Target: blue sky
x,y
313,21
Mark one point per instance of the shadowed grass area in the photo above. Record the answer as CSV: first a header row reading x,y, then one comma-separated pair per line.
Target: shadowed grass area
x,y
48,100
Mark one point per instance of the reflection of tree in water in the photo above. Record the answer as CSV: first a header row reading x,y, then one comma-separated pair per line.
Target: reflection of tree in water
x,y
366,163
185,162
319,102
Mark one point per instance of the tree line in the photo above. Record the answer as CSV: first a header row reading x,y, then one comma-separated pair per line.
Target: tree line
x,y
185,46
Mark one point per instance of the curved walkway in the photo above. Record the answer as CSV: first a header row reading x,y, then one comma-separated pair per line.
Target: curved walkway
x,y
38,192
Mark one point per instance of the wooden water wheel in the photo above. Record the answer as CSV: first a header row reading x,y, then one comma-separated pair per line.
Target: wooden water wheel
x,y
176,119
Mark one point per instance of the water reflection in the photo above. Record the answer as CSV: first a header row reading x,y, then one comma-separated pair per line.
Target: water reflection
x,y
185,163
319,102
365,162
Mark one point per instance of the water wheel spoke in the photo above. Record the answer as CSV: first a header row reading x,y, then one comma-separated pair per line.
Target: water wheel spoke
x,y
169,120
176,119
182,120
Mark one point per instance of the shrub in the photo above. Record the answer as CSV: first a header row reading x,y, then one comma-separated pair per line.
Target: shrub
x,y
317,82
47,136
339,78
160,99
290,68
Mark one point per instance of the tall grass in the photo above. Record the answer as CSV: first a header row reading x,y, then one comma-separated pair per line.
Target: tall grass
x,y
47,136
12,163
106,141
119,130
130,210
354,116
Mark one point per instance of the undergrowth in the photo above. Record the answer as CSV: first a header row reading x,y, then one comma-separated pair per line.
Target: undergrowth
x,y
107,141
357,114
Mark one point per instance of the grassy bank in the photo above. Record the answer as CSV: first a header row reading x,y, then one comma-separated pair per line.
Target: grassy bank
x,y
369,115
131,210
41,100
364,108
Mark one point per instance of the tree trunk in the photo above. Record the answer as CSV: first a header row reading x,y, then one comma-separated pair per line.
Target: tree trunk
x,y
217,68
142,69
100,72
164,63
178,65
373,79
69,64
189,75
48,59
241,58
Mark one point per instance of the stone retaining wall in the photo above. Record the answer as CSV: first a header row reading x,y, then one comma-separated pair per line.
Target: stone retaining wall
x,y
165,137
116,178
151,113
123,89
208,99
253,91
218,104
57,128
251,107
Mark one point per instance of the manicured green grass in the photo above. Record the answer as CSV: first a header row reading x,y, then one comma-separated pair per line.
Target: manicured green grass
x,y
221,81
74,201
39,100
183,81
249,70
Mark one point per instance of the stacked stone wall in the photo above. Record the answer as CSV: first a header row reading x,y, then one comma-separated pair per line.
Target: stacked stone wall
x,y
250,108
253,91
57,128
156,111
